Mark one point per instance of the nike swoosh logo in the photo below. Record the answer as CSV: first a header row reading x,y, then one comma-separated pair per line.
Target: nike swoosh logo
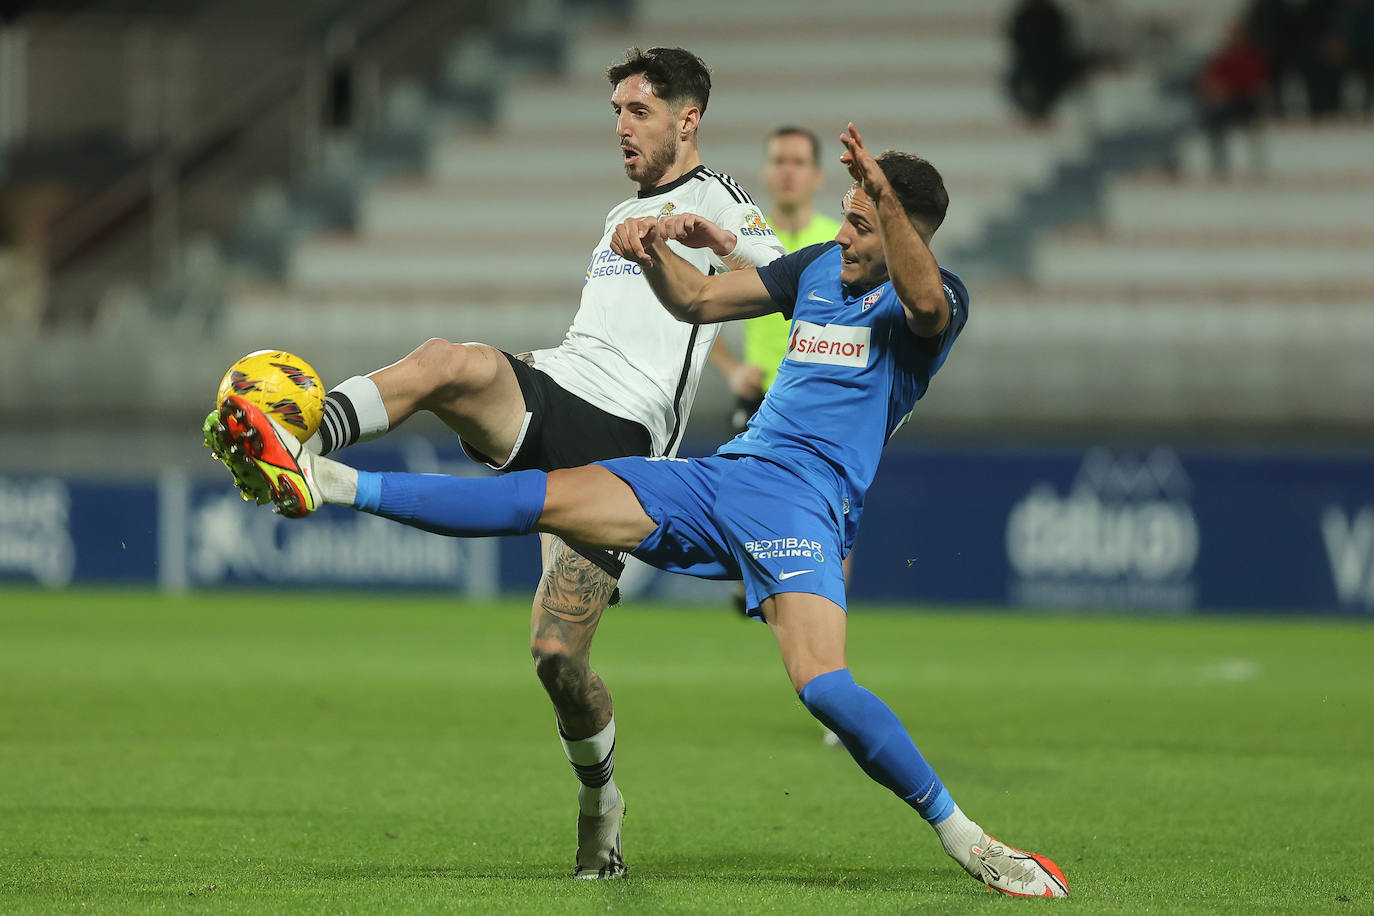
x,y
814,298
800,572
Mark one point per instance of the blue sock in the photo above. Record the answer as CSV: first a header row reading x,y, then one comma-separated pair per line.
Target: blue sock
x,y
876,739
455,506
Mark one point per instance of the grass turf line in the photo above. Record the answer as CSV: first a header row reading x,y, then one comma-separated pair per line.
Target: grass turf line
x,y
231,753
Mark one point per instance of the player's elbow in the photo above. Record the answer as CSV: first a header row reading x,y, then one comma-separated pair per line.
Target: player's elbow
x,y
692,312
925,315
707,304
688,310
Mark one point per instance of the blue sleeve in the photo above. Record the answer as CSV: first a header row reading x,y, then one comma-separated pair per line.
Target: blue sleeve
x,y
782,277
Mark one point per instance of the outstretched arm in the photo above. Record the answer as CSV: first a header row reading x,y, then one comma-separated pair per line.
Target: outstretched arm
x,y
687,293
912,268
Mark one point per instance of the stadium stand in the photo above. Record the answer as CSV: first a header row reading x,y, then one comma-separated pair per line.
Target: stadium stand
x,y
1119,286
1209,303
503,214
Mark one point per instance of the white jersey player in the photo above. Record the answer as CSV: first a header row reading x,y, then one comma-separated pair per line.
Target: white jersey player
x,y
635,361
621,384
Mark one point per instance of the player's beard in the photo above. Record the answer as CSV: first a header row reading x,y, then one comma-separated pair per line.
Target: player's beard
x,y
654,163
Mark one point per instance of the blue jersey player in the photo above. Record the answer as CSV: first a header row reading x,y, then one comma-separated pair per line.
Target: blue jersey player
x,y
873,317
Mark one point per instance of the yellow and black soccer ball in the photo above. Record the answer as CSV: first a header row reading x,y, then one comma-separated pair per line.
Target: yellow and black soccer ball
x,y
284,386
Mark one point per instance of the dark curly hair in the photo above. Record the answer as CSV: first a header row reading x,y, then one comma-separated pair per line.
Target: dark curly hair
x,y
919,189
677,75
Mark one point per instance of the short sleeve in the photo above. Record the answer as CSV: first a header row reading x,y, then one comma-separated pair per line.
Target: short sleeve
x,y
757,243
783,276
956,294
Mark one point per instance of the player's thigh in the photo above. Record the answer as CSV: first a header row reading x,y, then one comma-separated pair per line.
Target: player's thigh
x,y
568,604
591,505
810,630
483,404
471,387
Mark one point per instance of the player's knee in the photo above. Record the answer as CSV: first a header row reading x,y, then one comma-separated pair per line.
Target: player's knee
x,y
451,369
815,681
557,668
836,701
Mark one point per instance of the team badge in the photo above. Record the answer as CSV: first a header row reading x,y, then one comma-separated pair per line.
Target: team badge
x,y
667,210
754,224
871,300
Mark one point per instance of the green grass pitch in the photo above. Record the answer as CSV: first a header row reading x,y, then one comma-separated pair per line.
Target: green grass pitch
x,y
241,752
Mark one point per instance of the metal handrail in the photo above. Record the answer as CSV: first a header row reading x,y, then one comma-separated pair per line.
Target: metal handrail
x,y
154,186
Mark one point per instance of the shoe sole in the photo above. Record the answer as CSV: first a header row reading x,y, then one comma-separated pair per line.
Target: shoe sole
x,y
241,421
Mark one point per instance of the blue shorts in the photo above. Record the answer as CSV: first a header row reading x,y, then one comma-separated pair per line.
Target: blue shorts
x,y
738,517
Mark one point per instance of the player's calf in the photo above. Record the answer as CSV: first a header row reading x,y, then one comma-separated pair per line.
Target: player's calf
x,y
880,744
579,697
442,377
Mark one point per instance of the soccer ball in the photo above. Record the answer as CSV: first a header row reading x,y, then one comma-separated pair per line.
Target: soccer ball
x,y
285,386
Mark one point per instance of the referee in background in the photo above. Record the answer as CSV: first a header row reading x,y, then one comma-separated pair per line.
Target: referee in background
x,y
792,173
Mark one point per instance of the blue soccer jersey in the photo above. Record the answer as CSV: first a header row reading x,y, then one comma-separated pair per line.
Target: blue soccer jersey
x,y
852,375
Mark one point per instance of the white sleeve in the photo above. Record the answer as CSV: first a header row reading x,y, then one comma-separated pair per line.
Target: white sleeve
x,y
756,245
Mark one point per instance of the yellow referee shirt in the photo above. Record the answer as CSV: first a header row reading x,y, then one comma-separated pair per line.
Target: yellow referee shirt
x,y
765,337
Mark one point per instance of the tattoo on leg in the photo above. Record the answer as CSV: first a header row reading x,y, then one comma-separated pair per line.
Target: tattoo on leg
x,y
568,607
526,358
574,587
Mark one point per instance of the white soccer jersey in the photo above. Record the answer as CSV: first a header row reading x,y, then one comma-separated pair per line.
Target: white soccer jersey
x,y
624,352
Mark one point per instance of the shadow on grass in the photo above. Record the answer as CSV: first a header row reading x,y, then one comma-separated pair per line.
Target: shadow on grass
x,y
844,876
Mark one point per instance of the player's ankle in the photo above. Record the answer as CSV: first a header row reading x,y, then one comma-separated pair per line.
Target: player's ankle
x,y
958,834
593,760
595,801
335,482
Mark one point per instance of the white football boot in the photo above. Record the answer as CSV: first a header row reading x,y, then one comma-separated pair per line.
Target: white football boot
x,y
1015,872
598,845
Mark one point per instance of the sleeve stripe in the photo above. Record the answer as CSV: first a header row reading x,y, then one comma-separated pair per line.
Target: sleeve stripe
x,y
738,187
731,186
729,190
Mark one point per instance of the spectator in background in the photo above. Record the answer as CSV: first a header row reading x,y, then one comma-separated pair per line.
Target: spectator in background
x,y
1322,52
1274,25
1357,37
1104,36
1044,62
1231,92
340,47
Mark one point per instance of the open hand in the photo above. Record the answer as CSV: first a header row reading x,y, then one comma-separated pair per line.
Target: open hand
x,y
862,167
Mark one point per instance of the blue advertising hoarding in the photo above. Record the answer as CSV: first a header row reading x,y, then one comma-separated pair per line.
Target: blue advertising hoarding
x,y
1152,529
